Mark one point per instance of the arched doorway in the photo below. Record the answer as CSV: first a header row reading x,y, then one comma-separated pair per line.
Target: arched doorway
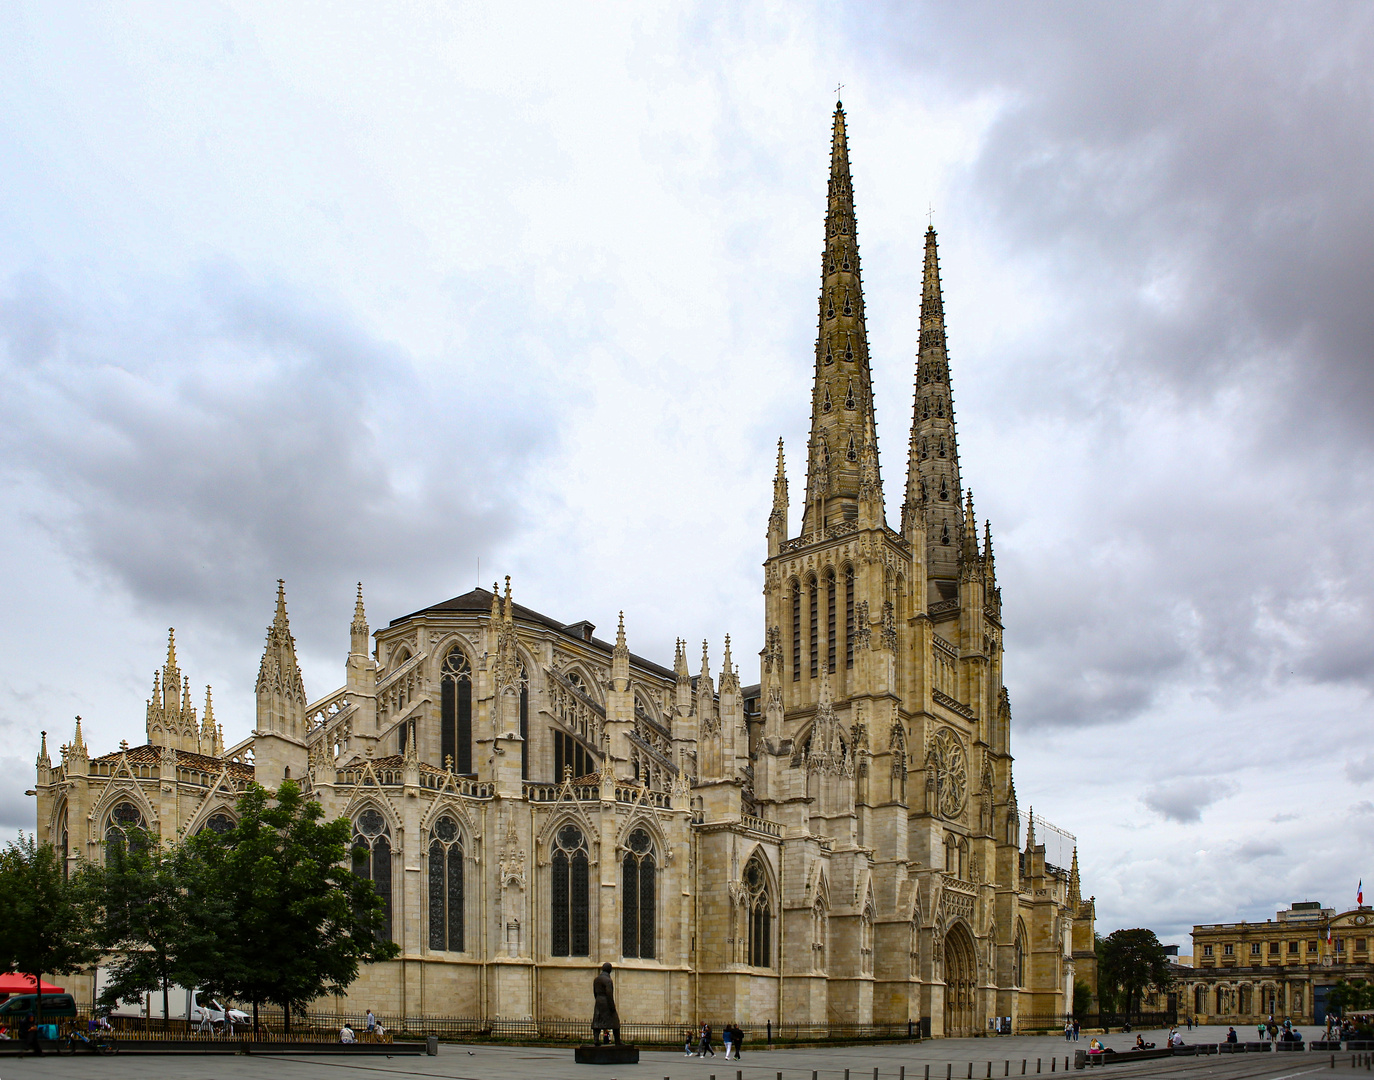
x,y
961,979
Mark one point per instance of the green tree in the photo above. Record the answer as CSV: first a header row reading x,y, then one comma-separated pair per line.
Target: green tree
x,y
1130,962
46,925
300,923
1357,996
157,918
1082,999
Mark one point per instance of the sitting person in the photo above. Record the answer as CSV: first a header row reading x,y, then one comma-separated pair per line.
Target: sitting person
x,y
1176,1038
1095,1046
1231,1035
346,1034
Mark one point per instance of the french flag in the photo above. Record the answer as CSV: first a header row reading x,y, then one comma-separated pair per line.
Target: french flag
x,y
1359,894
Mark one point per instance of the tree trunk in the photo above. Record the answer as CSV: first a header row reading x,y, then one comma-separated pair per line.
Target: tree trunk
x,y
287,1023
255,1016
166,1010
37,1006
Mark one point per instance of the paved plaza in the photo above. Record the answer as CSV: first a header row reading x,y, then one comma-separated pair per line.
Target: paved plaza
x,y
1004,1055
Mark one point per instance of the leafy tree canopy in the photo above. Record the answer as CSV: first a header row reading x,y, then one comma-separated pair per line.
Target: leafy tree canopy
x,y
1130,962
299,922
46,923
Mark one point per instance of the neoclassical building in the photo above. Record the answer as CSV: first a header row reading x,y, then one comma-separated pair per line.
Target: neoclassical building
x,y
1245,972
839,842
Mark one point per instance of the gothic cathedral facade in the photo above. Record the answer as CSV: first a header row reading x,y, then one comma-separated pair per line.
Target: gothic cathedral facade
x,y
839,843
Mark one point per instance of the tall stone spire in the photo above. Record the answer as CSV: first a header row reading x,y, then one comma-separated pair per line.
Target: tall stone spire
x,y
171,676
843,427
933,480
777,519
280,690
358,629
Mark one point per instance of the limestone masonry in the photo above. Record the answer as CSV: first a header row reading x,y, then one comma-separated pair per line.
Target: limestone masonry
x,y
839,843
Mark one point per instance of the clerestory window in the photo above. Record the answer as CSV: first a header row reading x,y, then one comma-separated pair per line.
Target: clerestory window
x,y
639,897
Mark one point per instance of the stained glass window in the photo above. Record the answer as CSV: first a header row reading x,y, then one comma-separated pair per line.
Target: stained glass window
x,y
219,823
638,895
760,914
124,819
372,859
455,712
569,903
445,886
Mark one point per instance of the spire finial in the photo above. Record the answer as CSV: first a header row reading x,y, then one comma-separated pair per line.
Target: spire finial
x,y
78,741
842,417
171,648
507,611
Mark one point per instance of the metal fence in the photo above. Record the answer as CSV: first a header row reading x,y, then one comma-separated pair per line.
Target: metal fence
x,y
1056,1021
325,1026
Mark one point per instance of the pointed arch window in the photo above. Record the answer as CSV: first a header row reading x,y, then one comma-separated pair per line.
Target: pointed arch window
x,y
455,712
372,859
825,400
820,936
445,886
813,589
1018,958
569,903
524,724
64,842
849,616
220,823
831,642
639,897
760,912
866,940
796,630
125,825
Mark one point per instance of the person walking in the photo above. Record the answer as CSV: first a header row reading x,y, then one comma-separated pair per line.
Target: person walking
x,y
706,1041
687,1044
1068,1031
371,1023
727,1037
1076,1029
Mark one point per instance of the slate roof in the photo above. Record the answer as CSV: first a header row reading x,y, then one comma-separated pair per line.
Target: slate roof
x,y
479,600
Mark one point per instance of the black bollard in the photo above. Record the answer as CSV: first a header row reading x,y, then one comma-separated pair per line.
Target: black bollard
x,y
770,1032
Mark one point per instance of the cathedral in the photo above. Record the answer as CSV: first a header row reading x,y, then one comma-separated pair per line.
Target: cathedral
x,y
838,843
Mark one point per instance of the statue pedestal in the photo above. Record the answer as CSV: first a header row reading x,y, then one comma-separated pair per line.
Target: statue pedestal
x,y
608,1055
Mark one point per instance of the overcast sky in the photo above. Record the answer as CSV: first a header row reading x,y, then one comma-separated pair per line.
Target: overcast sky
x,y
333,293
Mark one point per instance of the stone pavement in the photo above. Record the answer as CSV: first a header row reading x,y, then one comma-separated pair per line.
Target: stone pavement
x,y
1005,1054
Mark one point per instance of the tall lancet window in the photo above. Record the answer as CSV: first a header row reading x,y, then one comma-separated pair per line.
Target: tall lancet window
x,y
830,641
525,724
849,616
372,860
446,886
455,712
796,630
760,914
638,897
569,905
813,588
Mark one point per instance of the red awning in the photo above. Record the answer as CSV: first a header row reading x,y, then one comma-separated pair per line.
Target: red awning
x,y
23,984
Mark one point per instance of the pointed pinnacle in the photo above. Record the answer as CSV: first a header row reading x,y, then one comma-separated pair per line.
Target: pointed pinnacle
x,y
507,610
77,740
705,660
171,648
620,632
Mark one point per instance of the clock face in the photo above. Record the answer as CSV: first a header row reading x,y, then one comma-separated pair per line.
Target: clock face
x,y
1360,920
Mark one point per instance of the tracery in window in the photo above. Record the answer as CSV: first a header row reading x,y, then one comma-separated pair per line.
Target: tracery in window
x,y
446,886
372,859
815,628
831,644
63,841
820,935
123,820
760,910
1018,958
796,630
455,712
639,898
219,823
849,616
569,902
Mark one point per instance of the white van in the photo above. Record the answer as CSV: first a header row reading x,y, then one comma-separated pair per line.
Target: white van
x,y
181,1005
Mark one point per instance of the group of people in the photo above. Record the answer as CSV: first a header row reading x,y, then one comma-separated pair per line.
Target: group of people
x,y
373,1027
1071,1030
732,1036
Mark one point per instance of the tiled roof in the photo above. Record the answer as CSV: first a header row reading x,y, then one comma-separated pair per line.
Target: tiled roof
x,y
148,754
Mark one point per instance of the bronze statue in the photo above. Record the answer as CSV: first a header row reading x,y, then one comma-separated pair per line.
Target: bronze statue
x,y
604,1016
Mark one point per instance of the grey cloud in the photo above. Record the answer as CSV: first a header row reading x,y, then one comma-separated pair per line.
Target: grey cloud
x,y
1191,183
1258,849
1360,769
241,431
1184,800
16,808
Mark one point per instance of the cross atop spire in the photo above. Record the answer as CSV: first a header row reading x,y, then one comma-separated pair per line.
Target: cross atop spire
x,y
843,427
